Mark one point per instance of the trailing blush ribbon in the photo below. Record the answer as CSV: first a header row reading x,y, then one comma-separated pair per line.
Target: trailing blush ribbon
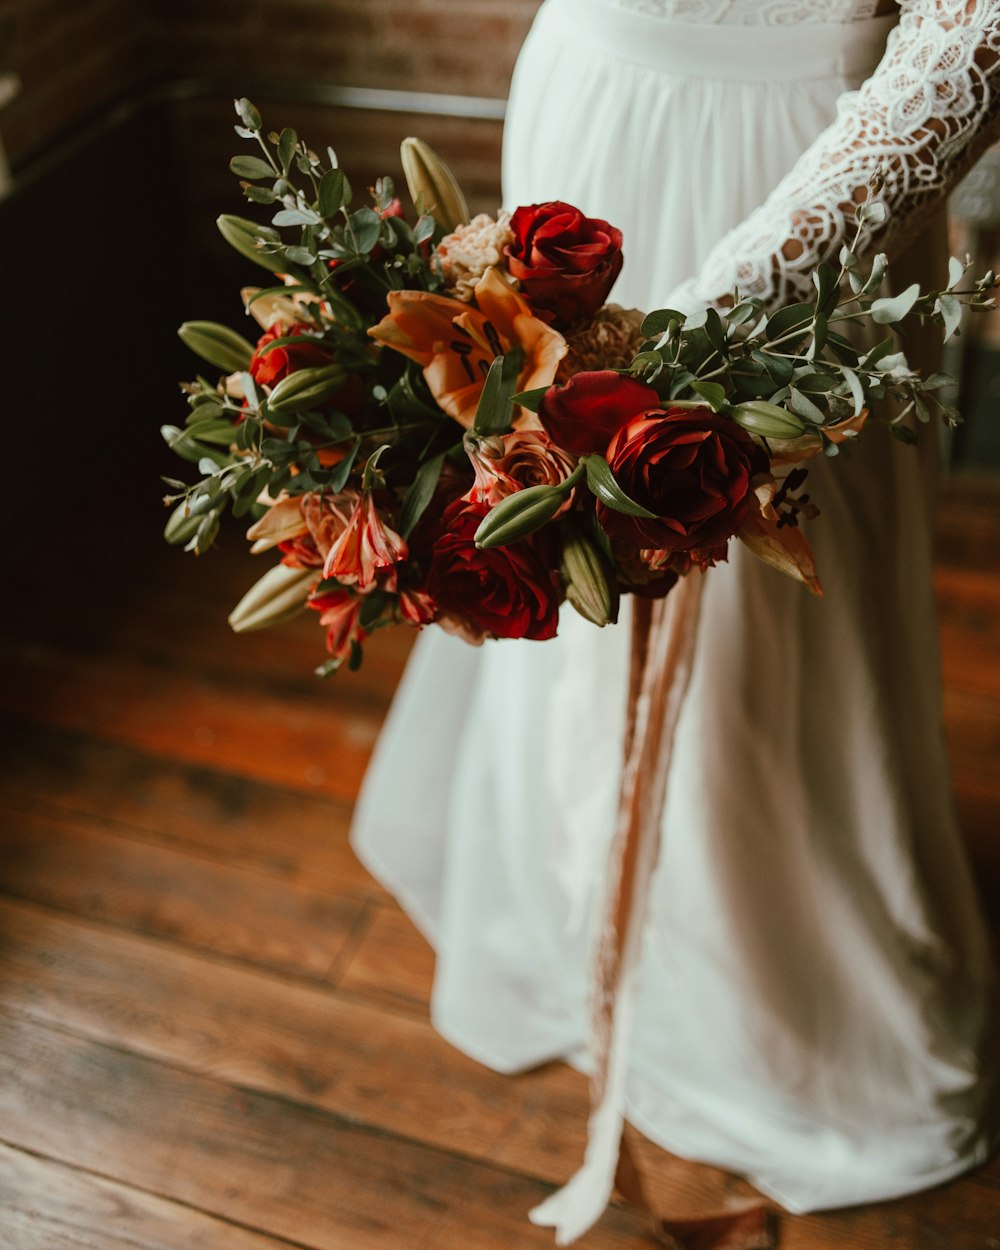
x,y
663,643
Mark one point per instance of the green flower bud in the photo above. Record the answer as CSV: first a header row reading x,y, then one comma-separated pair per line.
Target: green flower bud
x,y
519,515
768,420
305,388
242,234
591,586
217,344
185,519
432,185
279,595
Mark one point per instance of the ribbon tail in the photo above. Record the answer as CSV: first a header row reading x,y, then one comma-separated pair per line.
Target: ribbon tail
x,y
663,642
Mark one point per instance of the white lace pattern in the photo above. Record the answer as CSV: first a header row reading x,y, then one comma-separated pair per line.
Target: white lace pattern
x,y
931,107
754,12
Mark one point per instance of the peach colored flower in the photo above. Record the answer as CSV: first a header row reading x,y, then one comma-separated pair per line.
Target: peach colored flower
x,y
464,255
340,611
456,343
366,549
511,462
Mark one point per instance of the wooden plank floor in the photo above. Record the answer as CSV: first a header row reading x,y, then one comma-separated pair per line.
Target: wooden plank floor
x,y
213,1023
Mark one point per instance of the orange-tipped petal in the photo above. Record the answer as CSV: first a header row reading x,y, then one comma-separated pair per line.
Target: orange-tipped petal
x,y
782,547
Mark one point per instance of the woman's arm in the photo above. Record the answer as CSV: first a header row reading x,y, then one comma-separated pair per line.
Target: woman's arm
x,y
923,117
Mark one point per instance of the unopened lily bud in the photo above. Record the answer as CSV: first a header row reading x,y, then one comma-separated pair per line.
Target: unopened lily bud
x,y
305,388
185,519
242,234
519,515
591,586
217,344
768,420
432,185
279,595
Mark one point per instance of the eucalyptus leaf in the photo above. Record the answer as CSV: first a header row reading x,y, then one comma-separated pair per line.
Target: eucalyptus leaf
x,y
334,192
951,313
295,217
248,114
744,311
286,146
803,406
888,311
956,270
872,214
855,387
659,323
424,229
261,195
300,255
789,320
366,226
250,167
825,280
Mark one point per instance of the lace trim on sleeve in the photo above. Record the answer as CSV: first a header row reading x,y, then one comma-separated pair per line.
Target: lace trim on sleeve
x,y
926,113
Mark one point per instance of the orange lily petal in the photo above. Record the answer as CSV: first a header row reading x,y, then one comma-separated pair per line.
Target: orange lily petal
x,y
782,547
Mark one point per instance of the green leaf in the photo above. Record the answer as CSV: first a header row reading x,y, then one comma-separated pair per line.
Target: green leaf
x,y
250,167
248,114
878,352
779,370
261,195
295,217
951,313
334,192
744,311
855,387
715,330
212,430
712,392
888,311
532,400
603,486
300,255
872,214
804,407
788,320
286,146
956,269
827,288
819,336
495,409
420,494
366,226
847,257
424,229
337,477
659,321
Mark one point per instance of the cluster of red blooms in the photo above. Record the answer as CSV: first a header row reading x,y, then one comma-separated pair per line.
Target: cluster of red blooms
x,y
694,472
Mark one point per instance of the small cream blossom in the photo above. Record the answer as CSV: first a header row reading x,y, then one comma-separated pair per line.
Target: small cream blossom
x,y
464,255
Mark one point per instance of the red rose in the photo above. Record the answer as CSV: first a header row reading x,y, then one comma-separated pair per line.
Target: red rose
x,y
693,468
586,413
510,592
267,368
566,263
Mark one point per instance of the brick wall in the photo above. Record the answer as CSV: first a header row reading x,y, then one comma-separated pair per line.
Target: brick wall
x,y
76,56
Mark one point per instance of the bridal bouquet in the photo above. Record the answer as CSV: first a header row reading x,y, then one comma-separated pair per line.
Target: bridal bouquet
x,y
441,421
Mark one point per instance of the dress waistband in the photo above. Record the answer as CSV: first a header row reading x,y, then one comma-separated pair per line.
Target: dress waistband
x,y
787,53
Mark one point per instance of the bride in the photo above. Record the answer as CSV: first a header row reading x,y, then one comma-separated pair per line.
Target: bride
x,y
815,973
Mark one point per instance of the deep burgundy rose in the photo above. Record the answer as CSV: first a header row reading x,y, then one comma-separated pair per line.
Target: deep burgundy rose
x,y
586,413
510,592
693,468
267,368
566,263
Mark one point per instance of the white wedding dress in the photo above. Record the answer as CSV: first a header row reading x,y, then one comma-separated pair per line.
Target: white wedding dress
x,y
815,975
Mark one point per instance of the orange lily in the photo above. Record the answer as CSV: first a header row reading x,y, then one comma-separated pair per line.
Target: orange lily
x,y
456,343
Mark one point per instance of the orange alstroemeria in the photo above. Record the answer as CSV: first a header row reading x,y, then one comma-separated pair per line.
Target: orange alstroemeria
x,y
456,343
366,549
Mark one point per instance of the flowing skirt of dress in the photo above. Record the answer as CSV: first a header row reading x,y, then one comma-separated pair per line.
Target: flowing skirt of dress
x,y
815,973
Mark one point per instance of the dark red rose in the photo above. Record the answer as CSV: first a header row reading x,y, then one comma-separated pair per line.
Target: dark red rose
x,y
693,468
510,592
267,368
586,413
566,263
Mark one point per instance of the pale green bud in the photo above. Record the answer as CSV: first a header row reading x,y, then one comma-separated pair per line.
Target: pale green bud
x,y
279,595
432,185
519,515
591,586
768,420
217,344
305,387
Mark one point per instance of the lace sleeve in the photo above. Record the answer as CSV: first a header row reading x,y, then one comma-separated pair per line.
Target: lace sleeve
x,y
923,117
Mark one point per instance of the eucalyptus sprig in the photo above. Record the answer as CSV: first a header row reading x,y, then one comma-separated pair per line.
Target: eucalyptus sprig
x,y
804,360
